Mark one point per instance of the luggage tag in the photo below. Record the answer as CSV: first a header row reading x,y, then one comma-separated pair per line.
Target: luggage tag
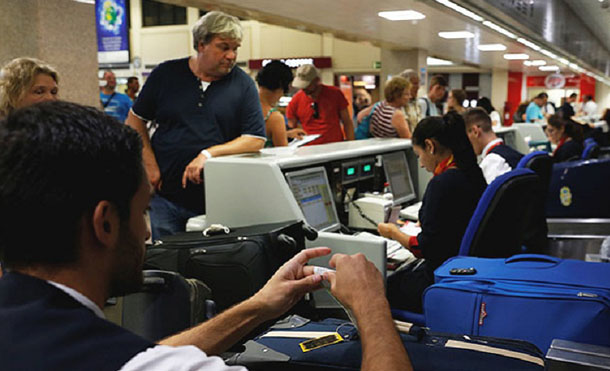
x,y
320,342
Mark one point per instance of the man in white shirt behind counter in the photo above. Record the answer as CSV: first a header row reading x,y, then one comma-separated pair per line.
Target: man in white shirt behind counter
x,y
497,158
81,173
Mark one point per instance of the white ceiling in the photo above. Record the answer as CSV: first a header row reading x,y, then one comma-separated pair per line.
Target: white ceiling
x,y
358,20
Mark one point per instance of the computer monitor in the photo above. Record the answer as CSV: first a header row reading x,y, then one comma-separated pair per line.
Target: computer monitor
x,y
398,177
313,194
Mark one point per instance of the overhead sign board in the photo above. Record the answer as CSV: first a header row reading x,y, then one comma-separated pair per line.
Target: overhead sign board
x,y
112,32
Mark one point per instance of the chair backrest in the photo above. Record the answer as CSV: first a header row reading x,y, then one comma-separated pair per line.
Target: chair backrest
x,y
579,189
509,218
591,151
541,163
589,141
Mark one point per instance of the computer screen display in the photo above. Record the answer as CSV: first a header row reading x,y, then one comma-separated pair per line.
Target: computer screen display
x,y
313,194
398,177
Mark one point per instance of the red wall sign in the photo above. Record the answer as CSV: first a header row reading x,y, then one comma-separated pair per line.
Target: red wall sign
x,y
319,62
572,81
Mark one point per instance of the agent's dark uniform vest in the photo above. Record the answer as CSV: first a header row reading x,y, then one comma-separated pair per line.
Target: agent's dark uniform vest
x,y
43,328
511,156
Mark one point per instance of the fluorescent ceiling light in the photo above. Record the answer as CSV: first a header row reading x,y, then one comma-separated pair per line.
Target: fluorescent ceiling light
x,y
499,29
86,1
402,15
461,10
548,53
456,35
536,62
430,61
518,56
491,47
528,44
548,68
563,61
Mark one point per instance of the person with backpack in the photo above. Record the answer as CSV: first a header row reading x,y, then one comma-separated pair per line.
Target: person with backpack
x,y
436,92
388,120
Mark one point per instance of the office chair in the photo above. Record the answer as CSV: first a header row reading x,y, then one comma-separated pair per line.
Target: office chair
x,y
579,189
591,150
542,164
509,218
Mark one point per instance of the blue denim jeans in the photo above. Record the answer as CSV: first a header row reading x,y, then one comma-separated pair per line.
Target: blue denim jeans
x,y
167,218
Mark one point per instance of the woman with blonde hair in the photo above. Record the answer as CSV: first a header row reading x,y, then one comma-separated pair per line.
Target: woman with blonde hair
x,y
387,119
25,81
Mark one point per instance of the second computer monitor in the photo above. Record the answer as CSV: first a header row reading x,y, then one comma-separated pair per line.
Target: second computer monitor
x,y
398,177
313,194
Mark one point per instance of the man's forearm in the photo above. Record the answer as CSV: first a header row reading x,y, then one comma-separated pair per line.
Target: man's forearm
x,y
382,348
243,144
221,332
140,126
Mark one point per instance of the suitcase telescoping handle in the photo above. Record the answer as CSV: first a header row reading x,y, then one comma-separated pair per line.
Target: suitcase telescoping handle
x,y
532,260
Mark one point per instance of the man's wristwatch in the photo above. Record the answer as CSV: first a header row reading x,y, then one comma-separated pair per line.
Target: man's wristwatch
x,y
207,154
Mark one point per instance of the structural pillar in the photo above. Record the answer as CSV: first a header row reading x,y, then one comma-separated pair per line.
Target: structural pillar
x,y
499,91
328,40
395,61
61,33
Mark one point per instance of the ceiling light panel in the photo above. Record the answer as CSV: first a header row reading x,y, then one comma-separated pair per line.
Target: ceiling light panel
x,y
548,68
529,44
499,29
548,54
430,61
491,47
461,10
456,35
402,15
538,62
516,56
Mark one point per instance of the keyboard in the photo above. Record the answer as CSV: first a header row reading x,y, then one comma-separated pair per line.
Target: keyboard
x,y
394,250
411,212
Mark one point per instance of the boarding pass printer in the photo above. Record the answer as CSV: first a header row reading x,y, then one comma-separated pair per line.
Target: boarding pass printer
x,y
368,211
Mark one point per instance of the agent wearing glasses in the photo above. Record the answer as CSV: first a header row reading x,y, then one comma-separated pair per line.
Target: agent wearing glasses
x,y
318,108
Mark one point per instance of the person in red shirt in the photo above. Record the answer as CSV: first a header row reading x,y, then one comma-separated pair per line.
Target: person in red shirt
x,y
319,108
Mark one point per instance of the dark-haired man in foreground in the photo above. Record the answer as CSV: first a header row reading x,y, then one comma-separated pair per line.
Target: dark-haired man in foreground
x,y
80,172
497,157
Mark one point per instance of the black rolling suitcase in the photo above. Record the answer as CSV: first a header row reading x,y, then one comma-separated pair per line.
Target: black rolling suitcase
x,y
233,265
167,304
280,348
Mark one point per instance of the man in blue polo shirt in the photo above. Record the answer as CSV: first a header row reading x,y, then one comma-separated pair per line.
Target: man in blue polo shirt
x,y
204,108
115,104
533,113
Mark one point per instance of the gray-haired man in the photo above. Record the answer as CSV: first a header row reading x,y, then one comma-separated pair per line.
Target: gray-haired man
x,y
204,108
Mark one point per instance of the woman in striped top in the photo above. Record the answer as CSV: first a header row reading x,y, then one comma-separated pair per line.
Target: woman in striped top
x,y
388,119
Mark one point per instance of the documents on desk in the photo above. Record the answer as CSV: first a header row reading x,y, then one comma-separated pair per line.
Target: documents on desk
x,y
394,250
306,139
411,212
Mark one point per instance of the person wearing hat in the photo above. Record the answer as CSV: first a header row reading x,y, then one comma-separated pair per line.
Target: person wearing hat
x,y
319,108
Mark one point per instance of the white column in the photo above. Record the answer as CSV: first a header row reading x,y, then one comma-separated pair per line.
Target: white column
x,y
327,51
394,62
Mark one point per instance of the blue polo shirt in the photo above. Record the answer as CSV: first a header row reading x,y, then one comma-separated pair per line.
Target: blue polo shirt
x,y
533,112
191,119
117,105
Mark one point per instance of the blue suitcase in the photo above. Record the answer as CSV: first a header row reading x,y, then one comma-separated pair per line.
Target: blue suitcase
x,y
279,349
536,298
